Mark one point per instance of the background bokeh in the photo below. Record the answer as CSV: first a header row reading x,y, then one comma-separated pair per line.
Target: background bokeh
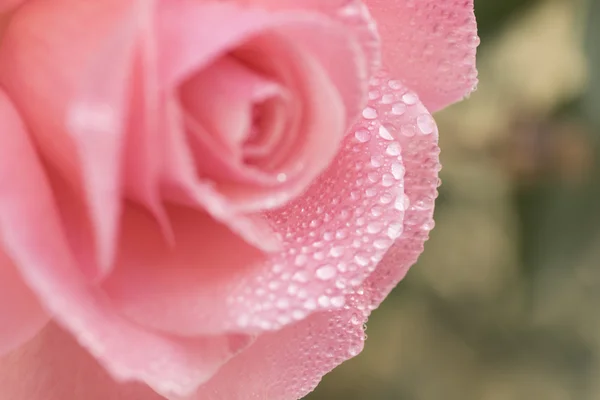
x,y
505,302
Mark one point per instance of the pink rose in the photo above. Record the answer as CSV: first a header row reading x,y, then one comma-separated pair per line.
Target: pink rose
x,y
205,199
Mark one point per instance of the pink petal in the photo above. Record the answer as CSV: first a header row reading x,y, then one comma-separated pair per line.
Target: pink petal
x,y
287,364
333,236
66,65
9,5
430,45
21,315
33,237
53,366
178,289
188,45
421,162
351,13
222,97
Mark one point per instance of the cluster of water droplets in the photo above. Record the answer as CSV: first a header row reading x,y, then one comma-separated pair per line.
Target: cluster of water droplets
x,y
437,42
338,232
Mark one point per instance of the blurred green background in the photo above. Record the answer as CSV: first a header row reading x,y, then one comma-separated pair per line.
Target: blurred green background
x,y
505,302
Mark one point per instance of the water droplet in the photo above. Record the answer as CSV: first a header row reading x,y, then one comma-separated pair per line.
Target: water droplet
x,y
362,135
310,304
282,177
381,244
371,192
300,276
374,227
338,301
402,202
336,251
386,198
341,234
369,113
425,123
353,351
399,108
397,170
394,230
298,314
374,94
361,260
376,161
385,133
300,260
326,272
393,149
376,211
387,180
394,84
324,301
410,99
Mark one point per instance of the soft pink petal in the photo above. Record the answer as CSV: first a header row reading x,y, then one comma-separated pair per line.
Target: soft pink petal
x,y
421,162
222,98
33,237
53,366
71,92
351,13
188,45
21,315
430,45
333,236
9,5
178,289
287,364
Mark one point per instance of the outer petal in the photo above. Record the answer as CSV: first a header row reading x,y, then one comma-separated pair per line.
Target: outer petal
x,y
351,13
8,5
332,239
32,236
429,45
421,162
21,315
65,63
188,45
53,366
288,364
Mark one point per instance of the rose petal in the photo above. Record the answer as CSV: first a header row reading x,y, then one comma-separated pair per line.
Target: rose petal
x,y
32,236
53,366
430,45
8,5
71,92
178,289
222,98
21,315
351,13
333,236
189,45
421,162
287,364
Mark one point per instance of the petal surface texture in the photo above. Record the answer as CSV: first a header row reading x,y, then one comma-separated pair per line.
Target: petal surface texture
x,y
430,45
21,314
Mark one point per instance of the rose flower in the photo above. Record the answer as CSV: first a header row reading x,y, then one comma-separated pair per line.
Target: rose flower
x,y
204,200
